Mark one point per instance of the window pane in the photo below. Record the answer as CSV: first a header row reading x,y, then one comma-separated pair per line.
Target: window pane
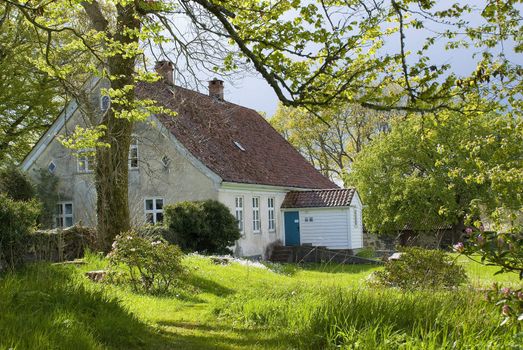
x,y
57,223
149,204
68,208
159,204
149,218
68,221
159,217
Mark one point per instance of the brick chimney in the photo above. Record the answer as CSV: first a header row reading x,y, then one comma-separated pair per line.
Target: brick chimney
x,y
216,88
166,70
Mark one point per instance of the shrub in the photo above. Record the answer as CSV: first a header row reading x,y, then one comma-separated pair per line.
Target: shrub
x,y
17,221
16,185
153,232
206,226
152,265
47,194
419,268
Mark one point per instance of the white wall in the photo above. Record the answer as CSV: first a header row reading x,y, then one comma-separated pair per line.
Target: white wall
x,y
329,227
254,244
356,227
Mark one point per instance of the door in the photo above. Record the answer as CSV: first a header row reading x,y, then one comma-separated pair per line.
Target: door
x,y
292,228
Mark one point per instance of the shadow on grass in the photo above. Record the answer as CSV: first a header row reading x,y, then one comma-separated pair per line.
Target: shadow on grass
x,y
338,268
204,285
46,306
188,335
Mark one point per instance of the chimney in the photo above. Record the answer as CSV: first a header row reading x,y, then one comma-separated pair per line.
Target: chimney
x,y
216,88
166,70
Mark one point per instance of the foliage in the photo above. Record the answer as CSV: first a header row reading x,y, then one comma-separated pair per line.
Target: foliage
x,y
30,98
16,184
205,226
153,232
505,251
439,170
419,268
17,221
62,244
153,266
367,252
332,139
312,54
47,194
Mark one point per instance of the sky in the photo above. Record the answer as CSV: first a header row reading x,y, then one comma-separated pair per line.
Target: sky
x,y
253,92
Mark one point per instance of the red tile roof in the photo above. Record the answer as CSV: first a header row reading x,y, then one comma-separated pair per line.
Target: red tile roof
x,y
215,131
319,199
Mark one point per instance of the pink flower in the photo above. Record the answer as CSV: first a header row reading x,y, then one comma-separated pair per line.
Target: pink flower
x,y
468,230
505,310
459,247
520,295
505,291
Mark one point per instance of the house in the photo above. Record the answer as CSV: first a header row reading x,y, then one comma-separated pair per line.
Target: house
x,y
212,149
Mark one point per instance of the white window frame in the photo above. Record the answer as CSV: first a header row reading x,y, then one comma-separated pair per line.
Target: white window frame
x,y
154,211
88,161
356,219
61,216
135,157
256,223
271,214
238,212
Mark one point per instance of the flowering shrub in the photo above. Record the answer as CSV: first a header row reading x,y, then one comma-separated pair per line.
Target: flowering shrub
x,y
419,268
152,266
504,250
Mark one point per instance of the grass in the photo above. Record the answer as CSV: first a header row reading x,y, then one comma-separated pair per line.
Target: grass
x,y
244,307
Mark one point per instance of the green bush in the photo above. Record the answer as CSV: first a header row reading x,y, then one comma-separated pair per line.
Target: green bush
x,y
206,226
16,185
17,221
419,268
152,265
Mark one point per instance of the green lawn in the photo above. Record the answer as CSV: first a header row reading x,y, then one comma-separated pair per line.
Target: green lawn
x,y
245,307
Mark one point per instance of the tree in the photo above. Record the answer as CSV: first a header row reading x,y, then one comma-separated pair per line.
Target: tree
x,y
445,169
311,53
30,98
332,142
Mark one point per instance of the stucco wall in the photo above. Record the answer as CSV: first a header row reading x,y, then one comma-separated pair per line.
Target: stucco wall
x,y
179,181
254,244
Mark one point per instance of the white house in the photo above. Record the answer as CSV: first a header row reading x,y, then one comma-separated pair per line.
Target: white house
x,y
212,149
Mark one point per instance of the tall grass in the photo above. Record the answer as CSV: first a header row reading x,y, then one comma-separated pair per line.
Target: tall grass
x,y
325,318
48,307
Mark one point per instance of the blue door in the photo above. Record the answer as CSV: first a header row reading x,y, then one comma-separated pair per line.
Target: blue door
x,y
292,228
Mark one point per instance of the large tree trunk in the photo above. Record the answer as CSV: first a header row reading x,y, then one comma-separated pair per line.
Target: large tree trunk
x,y
112,163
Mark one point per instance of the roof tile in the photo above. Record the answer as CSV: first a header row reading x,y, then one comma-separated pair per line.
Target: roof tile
x,y
319,198
209,129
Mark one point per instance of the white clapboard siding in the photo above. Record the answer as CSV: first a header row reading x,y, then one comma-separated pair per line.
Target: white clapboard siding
x,y
356,230
329,228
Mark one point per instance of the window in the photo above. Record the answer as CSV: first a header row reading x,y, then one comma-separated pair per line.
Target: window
x,y
86,161
166,161
272,221
239,212
356,220
153,210
51,167
133,155
256,214
64,214
105,102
